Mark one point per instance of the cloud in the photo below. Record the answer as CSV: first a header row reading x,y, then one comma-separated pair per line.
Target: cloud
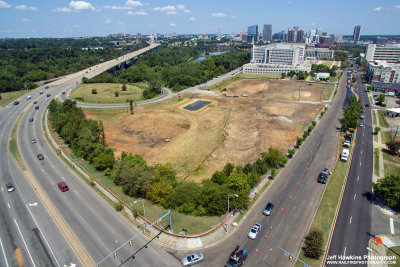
x,y
172,24
26,20
108,21
24,7
397,7
76,6
187,11
4,4
192,18
313,24
234,17
379,8
290,2
180,6
121,22
172,10
130,4
218,15
138,13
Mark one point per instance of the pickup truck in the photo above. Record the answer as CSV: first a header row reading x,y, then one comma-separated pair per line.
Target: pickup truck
x,y
237,257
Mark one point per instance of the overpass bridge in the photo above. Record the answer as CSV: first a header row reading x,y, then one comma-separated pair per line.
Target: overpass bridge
x,y
112,65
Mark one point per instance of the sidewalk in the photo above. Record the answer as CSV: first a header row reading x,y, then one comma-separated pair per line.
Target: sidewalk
x,y
376,250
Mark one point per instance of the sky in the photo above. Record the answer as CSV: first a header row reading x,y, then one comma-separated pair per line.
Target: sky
x,y
60,18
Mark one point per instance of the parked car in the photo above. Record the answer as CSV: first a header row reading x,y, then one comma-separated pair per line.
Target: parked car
x,y
346,143
254,231
192,259
40,156
63,186
268,209
345,155
323,176
10,187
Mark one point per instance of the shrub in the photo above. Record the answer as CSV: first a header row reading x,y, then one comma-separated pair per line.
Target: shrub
x,y
273,173
377,130
291,152
313,244
299,141
118,205
94,91
107,172
116,93
314,123
124,87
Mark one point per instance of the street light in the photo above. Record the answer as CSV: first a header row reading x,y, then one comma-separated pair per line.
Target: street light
x,y
144,211
227,224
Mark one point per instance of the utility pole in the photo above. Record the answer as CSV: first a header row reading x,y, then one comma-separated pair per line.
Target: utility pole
x,y
299,92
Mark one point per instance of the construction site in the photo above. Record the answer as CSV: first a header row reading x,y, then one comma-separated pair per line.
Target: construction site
x,y
242,120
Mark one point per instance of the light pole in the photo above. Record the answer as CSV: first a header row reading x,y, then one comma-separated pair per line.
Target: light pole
x,y
144,211
227,215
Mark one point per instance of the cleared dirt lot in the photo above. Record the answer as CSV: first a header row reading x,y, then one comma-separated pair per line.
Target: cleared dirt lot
x,y
230,129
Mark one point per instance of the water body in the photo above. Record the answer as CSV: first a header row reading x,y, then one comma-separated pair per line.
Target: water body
x,y
203,56
197,105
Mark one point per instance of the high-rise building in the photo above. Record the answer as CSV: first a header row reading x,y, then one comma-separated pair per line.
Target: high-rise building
x,y
389,52
300,36
290,35
267,33
325,41
252,34
313,32
319,31
243,36
280,36
219,32
357,33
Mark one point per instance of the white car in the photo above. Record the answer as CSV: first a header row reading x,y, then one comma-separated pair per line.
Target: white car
x,y
192,259
346,143
345,155
254,231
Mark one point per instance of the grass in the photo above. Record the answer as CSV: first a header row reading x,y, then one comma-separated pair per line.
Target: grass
x,y
386,137
257,76
327,63
105,93
391,169
389,157
327,208
382,120
374,118
224,83
376,162
13,146
394,251
8,97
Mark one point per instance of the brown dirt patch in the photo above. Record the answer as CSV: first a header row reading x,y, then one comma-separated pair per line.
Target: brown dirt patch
x,y
271,115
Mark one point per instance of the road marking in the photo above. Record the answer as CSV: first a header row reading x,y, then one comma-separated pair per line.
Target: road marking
x,y
29,253
344,252
358,178
8,205
355,196
360,163
350,221
4,253
361,152
391,226
43,236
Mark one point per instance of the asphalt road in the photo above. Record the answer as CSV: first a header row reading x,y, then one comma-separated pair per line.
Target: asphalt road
x,y
353,226
296,195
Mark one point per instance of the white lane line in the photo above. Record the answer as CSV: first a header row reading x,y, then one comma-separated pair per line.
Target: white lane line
x,y
8,205
350,219
4,253
344,252
361,152
355,196
43,236
358,178
30,256
2,189
360,163
391,226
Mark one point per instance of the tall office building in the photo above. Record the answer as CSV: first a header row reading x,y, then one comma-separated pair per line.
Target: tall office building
x,y
290,35
219,32
357,33
319,31
252,34
267,33
300,36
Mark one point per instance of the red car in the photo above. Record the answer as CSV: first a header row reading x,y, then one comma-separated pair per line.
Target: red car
x,y
63,186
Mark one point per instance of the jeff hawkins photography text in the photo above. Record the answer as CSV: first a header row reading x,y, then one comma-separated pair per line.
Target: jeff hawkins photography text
x,y
366,259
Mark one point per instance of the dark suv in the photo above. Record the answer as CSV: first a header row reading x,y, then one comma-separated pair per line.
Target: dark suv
x,y
268,209
323,176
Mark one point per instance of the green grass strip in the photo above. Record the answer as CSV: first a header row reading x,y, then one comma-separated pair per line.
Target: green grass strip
x,y
382,120
13,146
376,161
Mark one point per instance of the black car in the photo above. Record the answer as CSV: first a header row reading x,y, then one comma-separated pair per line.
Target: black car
x,y
323,176
16,103
366,105
48,95
268,209
40,156
30,119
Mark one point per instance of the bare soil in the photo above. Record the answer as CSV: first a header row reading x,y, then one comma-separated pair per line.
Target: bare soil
x,y
229,129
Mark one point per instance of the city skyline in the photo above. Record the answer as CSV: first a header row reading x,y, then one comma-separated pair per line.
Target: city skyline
x,y
28,18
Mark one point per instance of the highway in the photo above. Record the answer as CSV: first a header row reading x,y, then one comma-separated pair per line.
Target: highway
x,y
80,214
295,197
353,226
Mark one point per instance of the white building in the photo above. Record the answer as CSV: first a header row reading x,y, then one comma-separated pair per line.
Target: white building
x,y
319,53
389,52
277,58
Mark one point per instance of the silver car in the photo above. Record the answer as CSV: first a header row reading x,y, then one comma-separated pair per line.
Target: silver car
x,y
254,231
192,259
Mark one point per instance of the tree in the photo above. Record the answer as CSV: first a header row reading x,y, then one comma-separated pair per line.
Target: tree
x,y
394,147
381,99
116,93
377,130
388,189
283,75
313,244
94,91
124,87
291,152
131,105
299,141
119,205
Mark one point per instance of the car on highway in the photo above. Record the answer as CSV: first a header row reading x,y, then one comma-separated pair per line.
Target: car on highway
x,y
63,93
268,209
361,124
41,92
33,140
362,117
35,102
346,143
254,231
10,187
323,176
192,259
63,186
46,87
237,257
37,107
16,103
48,95
366,105
40,156
30,119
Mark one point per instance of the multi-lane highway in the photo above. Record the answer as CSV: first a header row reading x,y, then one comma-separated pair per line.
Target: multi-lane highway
x,y
353,226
